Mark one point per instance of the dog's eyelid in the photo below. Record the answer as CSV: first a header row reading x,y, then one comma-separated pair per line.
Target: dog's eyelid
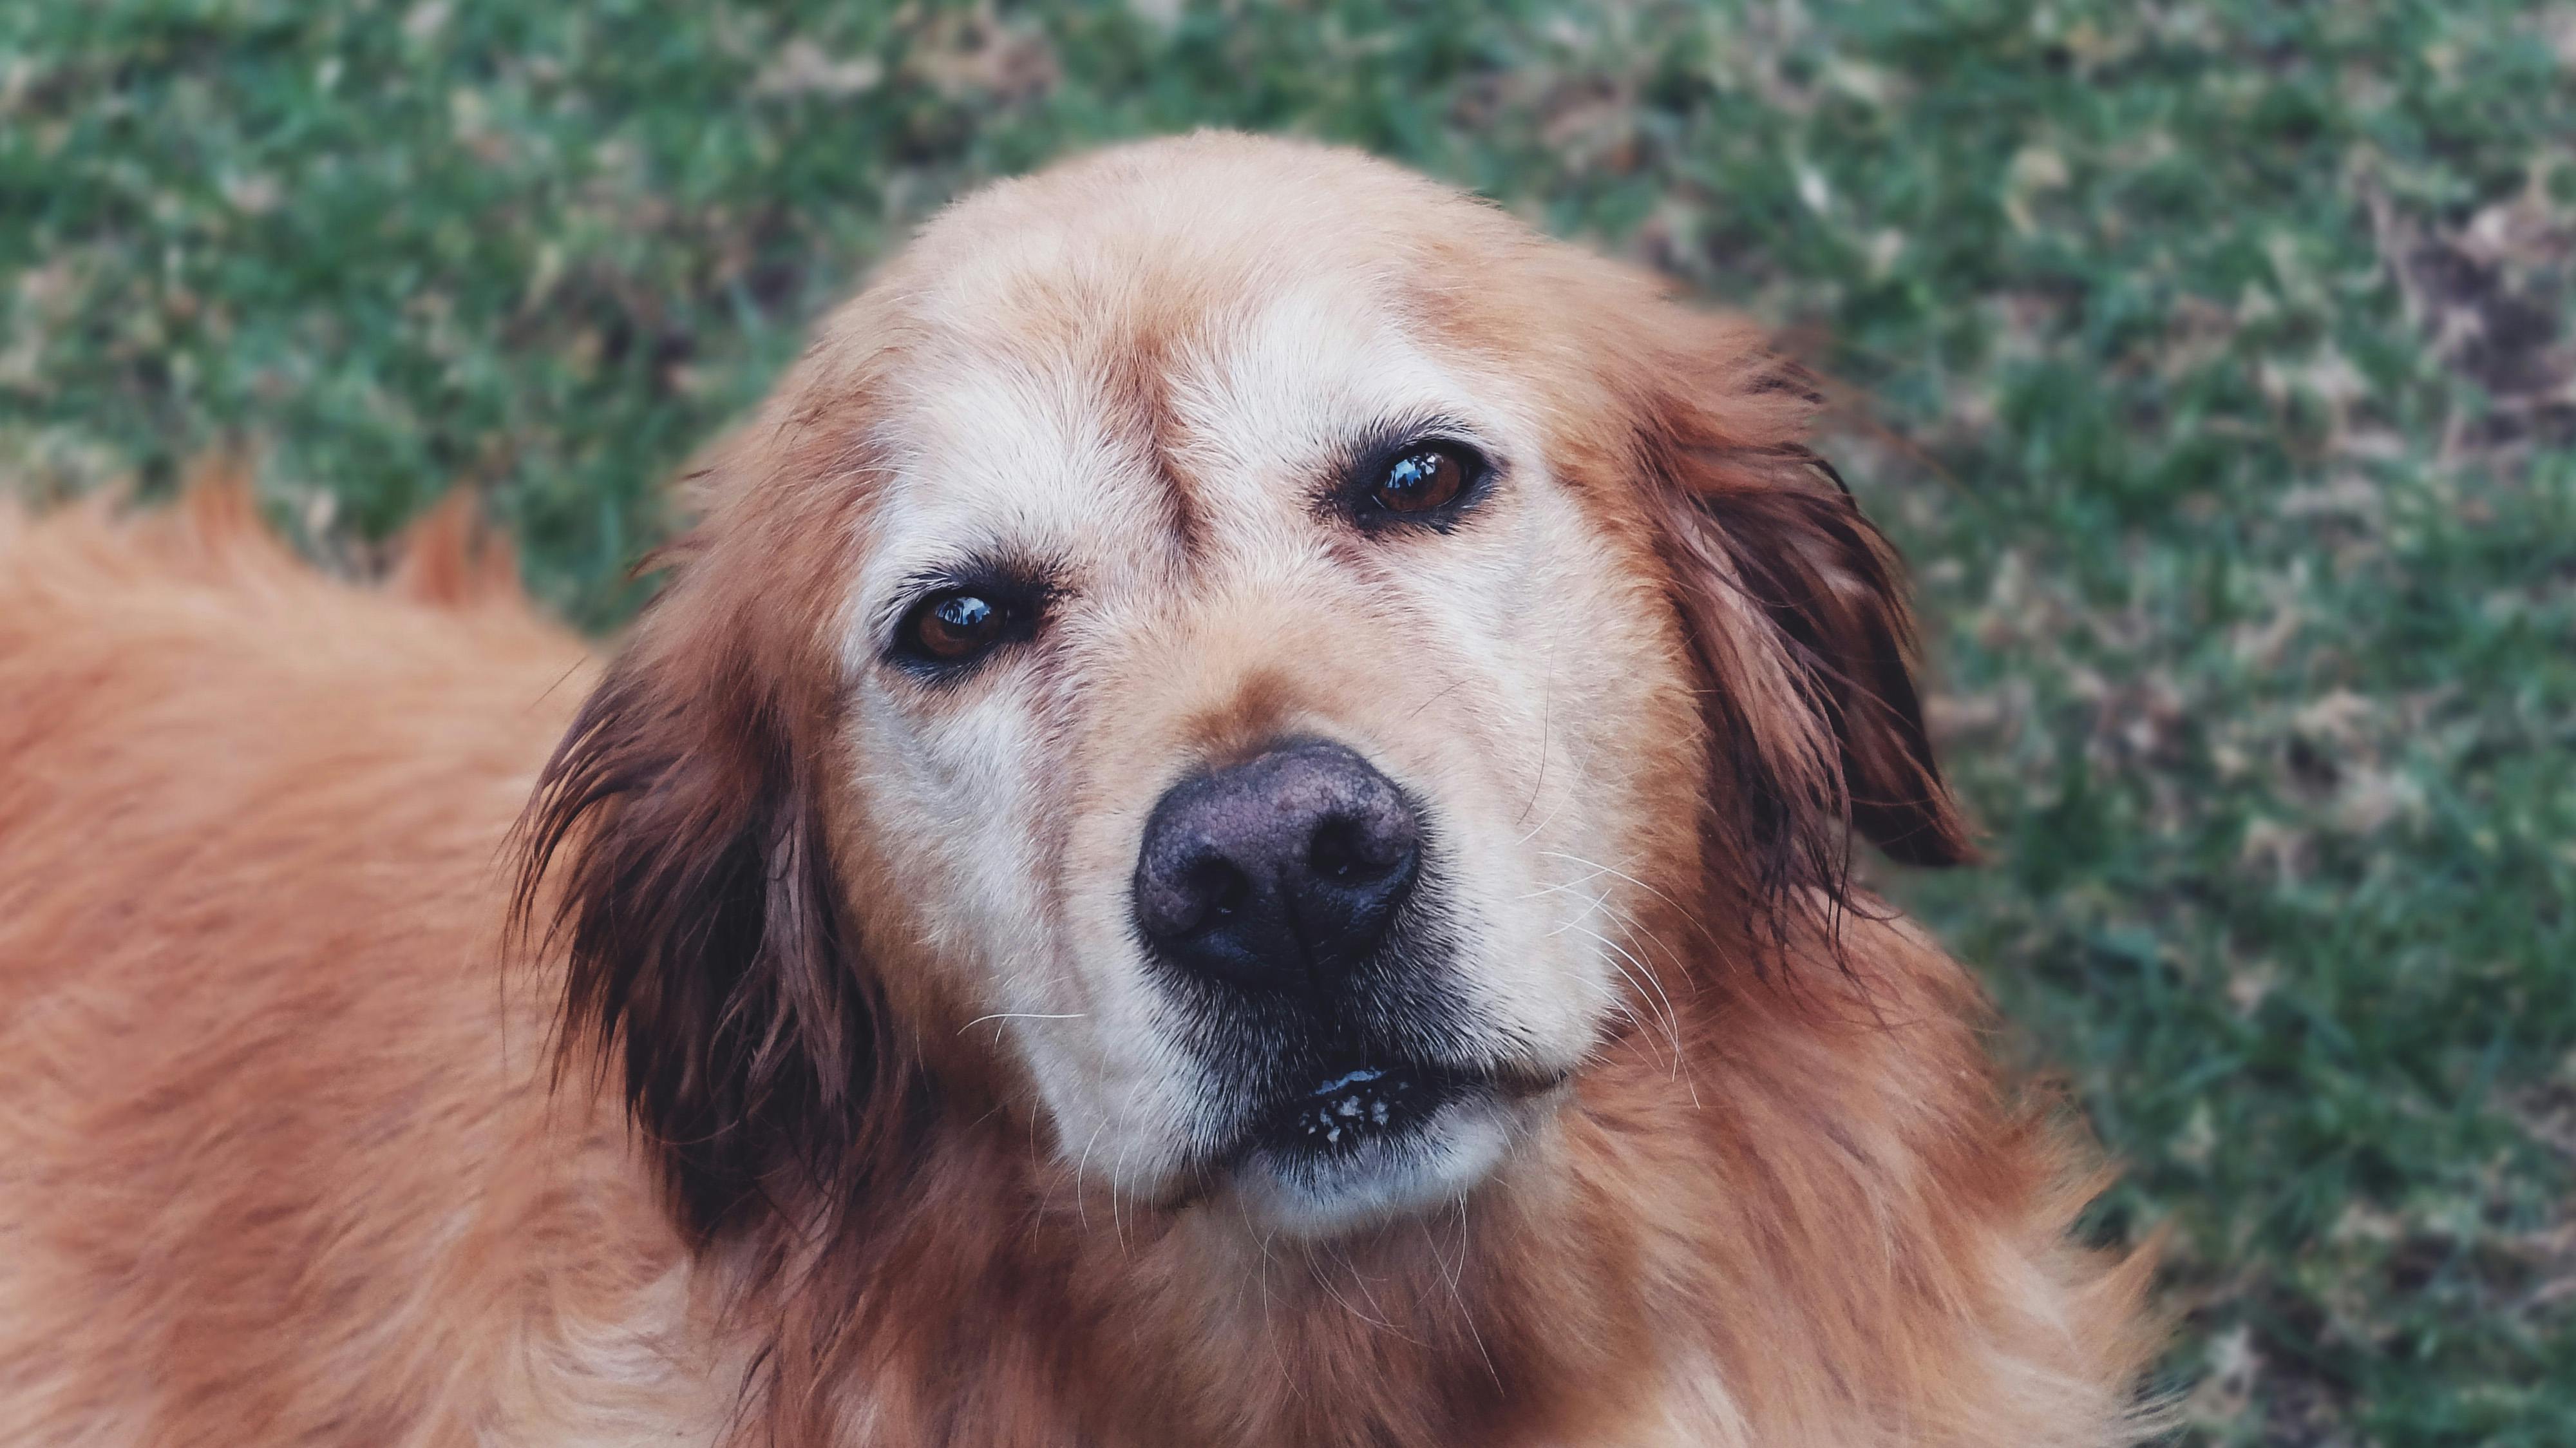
x,y
1366,463
1020,578
1396,435
1022,591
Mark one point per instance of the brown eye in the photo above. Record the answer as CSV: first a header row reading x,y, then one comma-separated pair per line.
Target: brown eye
x,y
1421,480
954,626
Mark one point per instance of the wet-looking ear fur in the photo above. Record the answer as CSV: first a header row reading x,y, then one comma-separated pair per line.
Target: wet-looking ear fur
x,y
1794,605
712,962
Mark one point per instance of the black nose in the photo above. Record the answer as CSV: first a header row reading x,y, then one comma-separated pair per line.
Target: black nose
x,y
1281,871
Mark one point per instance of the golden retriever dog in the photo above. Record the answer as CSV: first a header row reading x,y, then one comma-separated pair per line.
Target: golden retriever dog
x,y
1234,825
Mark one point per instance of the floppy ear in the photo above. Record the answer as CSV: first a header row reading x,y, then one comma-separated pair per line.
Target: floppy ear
x,y
1795,608
710,955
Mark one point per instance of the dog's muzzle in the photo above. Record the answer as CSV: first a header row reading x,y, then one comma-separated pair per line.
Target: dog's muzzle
x,y
1294,905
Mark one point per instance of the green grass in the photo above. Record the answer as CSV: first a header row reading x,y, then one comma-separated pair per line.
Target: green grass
x,y
2208,359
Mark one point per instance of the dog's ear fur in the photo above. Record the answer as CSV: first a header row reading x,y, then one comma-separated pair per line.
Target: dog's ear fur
x,y
1794,606
711,957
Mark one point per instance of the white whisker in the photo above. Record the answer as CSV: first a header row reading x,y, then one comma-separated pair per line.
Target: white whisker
x,y
1672,1018
1574,884
1022,1016
1598,869
1081,1202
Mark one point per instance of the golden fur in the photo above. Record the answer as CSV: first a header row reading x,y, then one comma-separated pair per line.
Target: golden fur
x,y
829,1105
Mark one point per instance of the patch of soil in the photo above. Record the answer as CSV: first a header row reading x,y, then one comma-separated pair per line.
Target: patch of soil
x,y
2493,296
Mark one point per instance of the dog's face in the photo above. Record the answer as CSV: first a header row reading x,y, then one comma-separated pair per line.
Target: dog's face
x,y
1222,640
1267,731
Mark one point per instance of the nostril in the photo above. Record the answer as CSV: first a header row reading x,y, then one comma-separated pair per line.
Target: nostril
x,y
1330,856
1187,896
1343,852
1219,888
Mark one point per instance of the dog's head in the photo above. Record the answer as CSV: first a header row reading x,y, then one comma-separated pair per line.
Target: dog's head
x,y
1254,657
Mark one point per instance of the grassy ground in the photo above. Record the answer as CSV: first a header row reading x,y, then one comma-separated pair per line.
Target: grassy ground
x,y
2208,359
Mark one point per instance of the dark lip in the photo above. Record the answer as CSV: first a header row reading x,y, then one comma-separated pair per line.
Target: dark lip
x,y
1357,1104
1264,1134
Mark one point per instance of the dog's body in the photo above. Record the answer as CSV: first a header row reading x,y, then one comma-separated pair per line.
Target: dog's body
x,y
906,1102
278,1163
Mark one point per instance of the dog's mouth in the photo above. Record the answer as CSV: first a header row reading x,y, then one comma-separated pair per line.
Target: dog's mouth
x,y
1361,1140
1358,1107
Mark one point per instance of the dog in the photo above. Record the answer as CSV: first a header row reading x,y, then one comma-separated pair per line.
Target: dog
x,y
1234,824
